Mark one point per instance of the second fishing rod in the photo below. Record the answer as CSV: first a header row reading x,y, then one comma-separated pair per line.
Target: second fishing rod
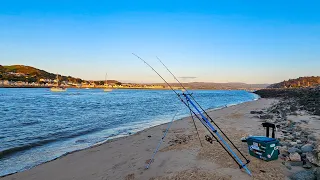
x,y
248,161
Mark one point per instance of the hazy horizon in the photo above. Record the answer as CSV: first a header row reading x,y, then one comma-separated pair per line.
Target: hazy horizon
x,y
220,42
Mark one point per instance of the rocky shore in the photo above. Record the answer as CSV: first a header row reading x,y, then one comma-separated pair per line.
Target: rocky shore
x,y
296,116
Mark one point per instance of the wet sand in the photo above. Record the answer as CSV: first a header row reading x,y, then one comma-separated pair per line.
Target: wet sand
x,y
180,156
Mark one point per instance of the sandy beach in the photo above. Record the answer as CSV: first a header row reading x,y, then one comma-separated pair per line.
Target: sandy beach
x,y
180,156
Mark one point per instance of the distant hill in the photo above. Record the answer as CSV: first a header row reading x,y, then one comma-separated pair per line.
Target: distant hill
x,y
31,74
299,82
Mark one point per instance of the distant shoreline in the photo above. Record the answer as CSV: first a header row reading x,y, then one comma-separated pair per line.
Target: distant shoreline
x,y
20,87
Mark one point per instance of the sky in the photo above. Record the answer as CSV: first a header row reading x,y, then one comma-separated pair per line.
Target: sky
x,y
211,41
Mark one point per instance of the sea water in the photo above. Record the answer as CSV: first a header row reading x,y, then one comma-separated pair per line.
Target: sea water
x,y
37,125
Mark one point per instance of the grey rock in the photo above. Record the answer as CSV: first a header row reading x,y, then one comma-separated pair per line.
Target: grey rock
x,y
293,150
303,175
296,163
267,116
307,148
299,141
256,112
293,143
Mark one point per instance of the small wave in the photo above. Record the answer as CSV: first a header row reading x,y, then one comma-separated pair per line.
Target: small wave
x,y
17,149
29,123
14,150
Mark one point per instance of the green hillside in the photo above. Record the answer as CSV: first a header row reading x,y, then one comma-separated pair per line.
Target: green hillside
x,y
31,74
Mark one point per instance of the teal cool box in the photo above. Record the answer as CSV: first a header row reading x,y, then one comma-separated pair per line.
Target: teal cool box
x,y
264,148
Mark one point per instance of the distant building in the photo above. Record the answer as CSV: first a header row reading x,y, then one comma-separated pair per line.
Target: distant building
x,y
6,82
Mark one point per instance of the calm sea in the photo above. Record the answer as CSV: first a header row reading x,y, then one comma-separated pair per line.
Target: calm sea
x,y
37,125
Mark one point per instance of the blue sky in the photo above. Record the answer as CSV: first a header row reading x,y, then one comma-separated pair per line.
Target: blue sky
x,y
215,41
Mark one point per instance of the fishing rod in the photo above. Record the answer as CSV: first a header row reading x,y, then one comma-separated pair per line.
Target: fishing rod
x,y
203,109
204,121
161,140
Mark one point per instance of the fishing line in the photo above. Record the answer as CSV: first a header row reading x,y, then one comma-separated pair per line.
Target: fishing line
x,y
161,140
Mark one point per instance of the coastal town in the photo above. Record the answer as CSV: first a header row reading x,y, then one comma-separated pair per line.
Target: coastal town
x,y
47,83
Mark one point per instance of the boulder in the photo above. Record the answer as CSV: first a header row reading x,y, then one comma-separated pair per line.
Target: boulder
x,y
295,157
303,175
307,148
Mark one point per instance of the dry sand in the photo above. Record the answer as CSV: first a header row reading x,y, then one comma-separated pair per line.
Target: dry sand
x,y
180,156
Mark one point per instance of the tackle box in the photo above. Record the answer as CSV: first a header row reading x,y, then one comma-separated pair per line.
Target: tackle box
x,y
264,148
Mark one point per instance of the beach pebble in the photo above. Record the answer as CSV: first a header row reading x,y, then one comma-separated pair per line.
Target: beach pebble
x,y
299,141
295,157
307,148
293,143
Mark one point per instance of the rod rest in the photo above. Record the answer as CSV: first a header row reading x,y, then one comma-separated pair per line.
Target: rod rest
x,y
268,125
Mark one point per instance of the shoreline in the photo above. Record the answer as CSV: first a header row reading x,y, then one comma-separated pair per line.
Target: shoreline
x,y
113,143
116,138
